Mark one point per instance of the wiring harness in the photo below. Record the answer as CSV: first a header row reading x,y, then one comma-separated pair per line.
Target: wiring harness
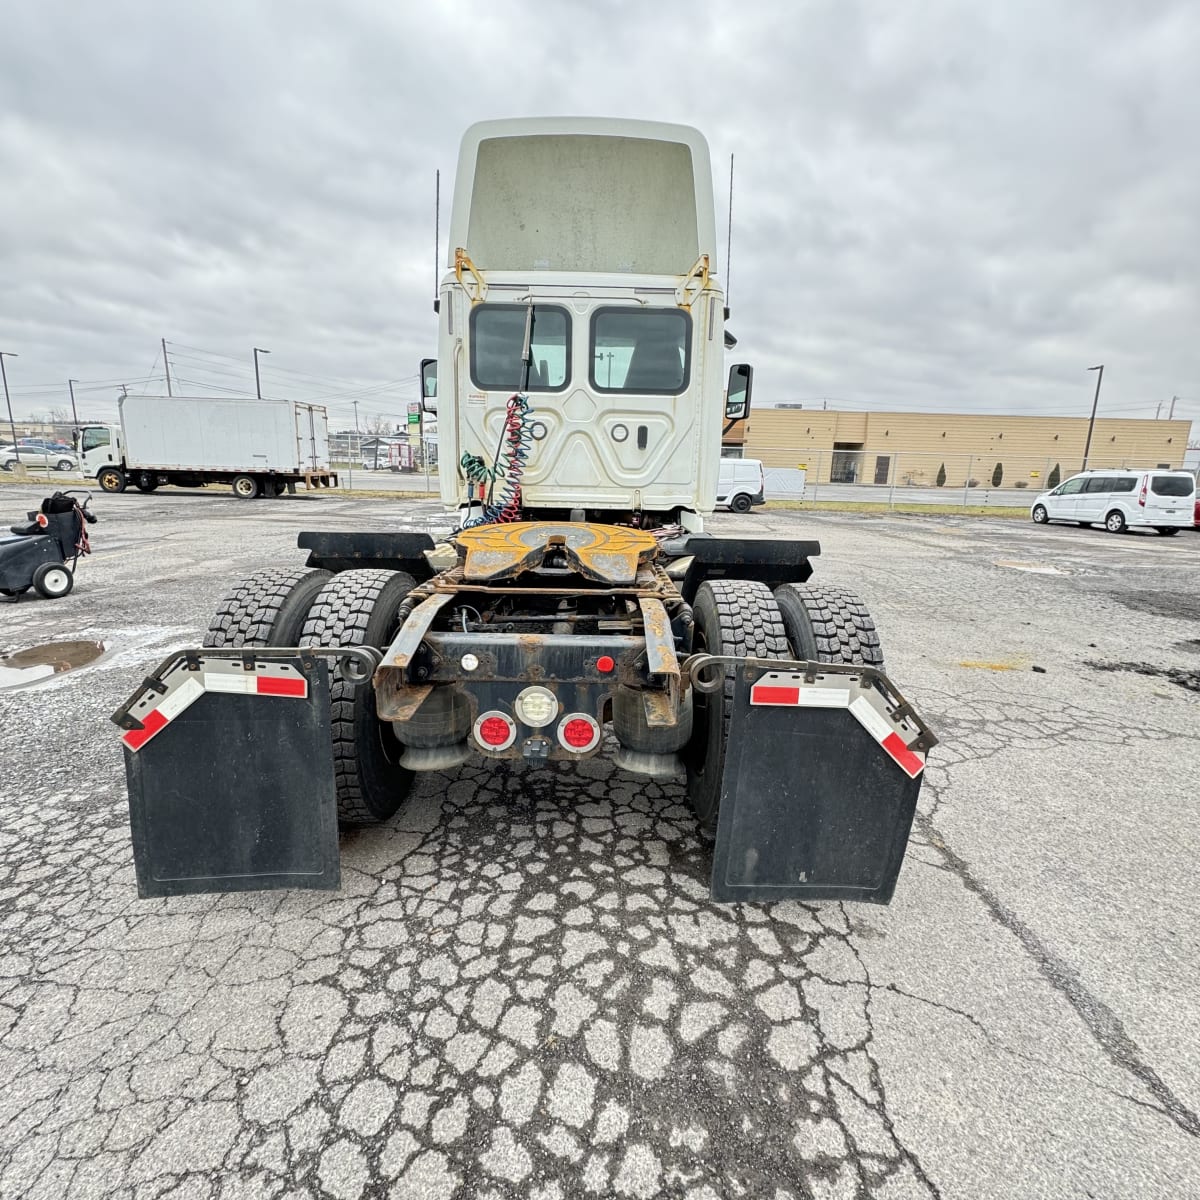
x,y
508,465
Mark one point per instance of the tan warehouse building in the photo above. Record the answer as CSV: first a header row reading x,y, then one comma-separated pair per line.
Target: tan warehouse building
x,y
953,449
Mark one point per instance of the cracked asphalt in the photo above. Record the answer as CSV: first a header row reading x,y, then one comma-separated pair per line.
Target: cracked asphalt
x,y
522,988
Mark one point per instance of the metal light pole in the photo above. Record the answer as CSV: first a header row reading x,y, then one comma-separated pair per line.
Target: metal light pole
x,y
74,414
257,384
8,400
1092,423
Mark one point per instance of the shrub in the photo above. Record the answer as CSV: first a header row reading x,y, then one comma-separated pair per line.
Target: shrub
x,y
972,483
1021,483
997,475
1055,477
941,475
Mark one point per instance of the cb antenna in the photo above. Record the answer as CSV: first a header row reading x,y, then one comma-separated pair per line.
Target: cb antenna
x,y
437,234
729,238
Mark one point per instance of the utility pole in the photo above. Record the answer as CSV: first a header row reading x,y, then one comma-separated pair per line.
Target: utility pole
x,y
8,401
74,413
1171,414
1092,423
167,367
257,384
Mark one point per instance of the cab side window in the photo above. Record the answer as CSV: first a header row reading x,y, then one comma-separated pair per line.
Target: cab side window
x,y
1101,483
93,438
1072,486
1124,483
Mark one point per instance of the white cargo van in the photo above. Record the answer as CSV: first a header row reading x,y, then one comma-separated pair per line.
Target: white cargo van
x,y
740,484
1121,499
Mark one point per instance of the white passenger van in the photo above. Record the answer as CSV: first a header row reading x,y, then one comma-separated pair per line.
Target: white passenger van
x,y
740,484
1121,499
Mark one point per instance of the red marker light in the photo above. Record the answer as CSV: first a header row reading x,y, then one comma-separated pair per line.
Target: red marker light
x,y
604,664
578,733
494,731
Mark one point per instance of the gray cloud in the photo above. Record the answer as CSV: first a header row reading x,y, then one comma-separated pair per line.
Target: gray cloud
x,y
961,206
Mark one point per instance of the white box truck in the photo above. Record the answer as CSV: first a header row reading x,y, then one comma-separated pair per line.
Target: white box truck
x,y
258,447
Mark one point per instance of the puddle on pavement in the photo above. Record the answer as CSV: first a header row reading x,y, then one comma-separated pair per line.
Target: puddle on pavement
x,y
1184,678
1032,567
41,662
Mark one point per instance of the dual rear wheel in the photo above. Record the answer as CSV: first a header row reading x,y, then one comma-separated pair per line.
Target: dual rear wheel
x,y
277,607
745,619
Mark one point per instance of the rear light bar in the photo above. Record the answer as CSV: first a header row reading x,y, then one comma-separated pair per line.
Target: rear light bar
x,y
578,733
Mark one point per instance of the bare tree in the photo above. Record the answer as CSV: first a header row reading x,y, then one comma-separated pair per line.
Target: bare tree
x,y
379,425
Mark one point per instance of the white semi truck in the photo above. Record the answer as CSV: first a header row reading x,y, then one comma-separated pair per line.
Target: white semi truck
x,y
257,447
580,607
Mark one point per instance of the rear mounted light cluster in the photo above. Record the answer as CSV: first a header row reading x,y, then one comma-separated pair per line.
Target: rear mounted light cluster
x,y
495,730
578,733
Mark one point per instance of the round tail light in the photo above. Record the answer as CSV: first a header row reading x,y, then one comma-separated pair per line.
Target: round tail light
x,y
495,731
578,733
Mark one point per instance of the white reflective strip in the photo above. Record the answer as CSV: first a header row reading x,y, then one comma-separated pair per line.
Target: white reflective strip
x,y
230,683
870,720
824,698
187,693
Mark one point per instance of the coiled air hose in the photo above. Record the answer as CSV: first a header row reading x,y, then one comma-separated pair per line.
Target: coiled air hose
x,y
512,452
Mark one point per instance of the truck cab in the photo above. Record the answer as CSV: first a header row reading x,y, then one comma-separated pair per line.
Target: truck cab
x,y
99,446
604,310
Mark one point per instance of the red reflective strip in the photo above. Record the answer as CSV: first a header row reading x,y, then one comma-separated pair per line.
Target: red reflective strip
x,y
894,745
152,722
766,694
270,685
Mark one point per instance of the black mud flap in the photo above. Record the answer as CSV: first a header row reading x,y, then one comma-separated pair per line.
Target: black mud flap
x,y
229,762
820,787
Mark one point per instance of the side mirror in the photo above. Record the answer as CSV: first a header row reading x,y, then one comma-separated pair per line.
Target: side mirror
x,y
737,395
429,385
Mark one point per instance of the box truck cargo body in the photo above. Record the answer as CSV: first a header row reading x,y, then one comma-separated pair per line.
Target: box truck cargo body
x,y
259,447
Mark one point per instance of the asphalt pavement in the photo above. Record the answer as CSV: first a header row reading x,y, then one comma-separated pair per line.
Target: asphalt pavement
x,y
522,988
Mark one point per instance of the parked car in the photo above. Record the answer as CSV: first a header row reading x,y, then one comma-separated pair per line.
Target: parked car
x,y
31,456
740,484
1163,500
41,444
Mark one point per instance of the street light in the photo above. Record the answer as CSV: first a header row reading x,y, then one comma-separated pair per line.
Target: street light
x,y
1092,423
257,384
8,400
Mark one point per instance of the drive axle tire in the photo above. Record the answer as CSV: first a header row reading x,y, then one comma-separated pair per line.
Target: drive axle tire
x,y
145,482
268,608
829,624
111,479
1115,522
359,608
738,618
740,503
53,580
1168,530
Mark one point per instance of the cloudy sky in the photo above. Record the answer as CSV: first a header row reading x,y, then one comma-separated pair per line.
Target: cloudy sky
x,y
944,205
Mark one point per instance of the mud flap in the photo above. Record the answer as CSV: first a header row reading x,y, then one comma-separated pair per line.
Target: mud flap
x,y
229,763
822,774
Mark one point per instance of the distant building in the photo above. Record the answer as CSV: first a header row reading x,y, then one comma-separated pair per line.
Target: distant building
x,y
951,449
